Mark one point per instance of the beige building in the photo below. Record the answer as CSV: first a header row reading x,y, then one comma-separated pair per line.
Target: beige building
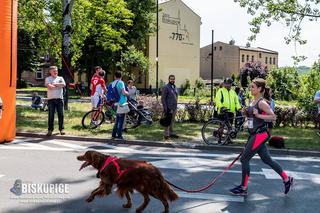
x,y
179,44
230,58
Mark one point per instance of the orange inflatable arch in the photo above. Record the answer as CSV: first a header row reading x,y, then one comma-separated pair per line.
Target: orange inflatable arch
x,y
8,68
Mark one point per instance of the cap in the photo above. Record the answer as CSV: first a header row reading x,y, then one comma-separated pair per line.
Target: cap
x,y
228,81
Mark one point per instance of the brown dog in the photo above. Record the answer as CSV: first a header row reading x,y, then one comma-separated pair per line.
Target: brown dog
x,y
128,175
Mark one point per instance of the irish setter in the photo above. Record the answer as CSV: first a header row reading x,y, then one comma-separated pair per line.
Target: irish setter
x,y
128,175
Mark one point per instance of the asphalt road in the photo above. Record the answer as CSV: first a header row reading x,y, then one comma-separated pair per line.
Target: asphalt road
x,y
43,162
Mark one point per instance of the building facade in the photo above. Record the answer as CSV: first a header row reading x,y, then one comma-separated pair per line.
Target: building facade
x,y
229,58
179,44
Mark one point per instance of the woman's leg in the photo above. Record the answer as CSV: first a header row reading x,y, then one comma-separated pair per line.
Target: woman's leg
x,y
253,145
266,158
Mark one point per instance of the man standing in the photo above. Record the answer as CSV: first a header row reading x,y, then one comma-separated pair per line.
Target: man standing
x,y
227,98
122,106
169,99
317,101
55,85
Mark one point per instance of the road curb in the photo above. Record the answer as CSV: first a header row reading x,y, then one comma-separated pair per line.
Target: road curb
x,y
229,148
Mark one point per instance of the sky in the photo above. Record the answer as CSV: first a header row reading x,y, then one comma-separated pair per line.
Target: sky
x,y
230,21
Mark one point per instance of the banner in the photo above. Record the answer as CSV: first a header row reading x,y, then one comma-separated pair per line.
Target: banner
x,y
8,68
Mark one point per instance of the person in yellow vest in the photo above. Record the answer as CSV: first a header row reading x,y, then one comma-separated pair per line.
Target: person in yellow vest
x,y
227,98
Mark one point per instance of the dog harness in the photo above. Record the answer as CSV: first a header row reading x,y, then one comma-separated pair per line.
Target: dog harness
x,y
113,159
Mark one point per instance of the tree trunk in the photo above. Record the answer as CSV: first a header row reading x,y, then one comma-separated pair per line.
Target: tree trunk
x,y
66,53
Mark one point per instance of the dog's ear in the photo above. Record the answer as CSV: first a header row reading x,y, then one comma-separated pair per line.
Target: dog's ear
x,y
95,160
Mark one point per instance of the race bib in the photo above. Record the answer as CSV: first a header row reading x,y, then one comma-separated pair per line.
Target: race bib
x,y
250,123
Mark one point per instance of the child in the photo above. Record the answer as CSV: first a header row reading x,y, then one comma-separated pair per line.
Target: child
x,y
36,101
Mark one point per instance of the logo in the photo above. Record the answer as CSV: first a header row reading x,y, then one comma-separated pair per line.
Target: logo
x,y
29,192
17,187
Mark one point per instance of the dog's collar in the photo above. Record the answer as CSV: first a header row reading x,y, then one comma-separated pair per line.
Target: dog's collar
x,y
112,159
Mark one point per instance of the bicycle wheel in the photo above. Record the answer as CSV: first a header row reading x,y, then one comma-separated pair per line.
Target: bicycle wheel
x,y
132,119
215,132
92,119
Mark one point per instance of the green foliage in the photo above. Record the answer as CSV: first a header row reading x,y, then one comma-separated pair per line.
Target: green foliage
x,y
185,88
309,84
131,59
290,12
284,82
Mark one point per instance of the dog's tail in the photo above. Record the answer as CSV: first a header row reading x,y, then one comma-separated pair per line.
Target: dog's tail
x,y
169,192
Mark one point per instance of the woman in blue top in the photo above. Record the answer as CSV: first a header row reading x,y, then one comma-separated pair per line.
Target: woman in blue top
x,y
258,111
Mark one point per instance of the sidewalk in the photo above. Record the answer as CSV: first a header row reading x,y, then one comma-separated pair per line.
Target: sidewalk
x,y
230,148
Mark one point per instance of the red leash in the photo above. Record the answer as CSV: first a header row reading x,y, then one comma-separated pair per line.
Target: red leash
x,y
210,184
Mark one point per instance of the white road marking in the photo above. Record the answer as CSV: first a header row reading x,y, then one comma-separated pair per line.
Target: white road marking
x,y
125,150
214,197
69,145
271,174
207,196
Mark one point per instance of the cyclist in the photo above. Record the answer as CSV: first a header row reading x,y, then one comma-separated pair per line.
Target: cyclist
x,y
257,112
97,87
227,98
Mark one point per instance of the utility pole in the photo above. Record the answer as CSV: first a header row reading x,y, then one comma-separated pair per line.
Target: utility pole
x,y
212,54
67,6
157,52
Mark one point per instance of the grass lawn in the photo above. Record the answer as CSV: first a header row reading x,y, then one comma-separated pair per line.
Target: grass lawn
x,y
30,120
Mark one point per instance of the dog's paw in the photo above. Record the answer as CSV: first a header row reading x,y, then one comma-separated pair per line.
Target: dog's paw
x,y
127,205
89,199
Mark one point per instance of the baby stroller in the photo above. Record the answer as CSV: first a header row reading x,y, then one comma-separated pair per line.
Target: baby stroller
x,y
138,114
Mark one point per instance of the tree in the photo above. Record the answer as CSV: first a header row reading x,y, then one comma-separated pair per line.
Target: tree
x,y
252,70
284,82
309,85
291,12
131,59
27,54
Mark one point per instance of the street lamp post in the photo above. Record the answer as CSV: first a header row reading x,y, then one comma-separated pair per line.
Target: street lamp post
x,y
212,52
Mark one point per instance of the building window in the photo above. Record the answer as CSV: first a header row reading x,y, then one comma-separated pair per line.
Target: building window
x,y
242,58
39,74
266,61
220,48
247,58
215,48
274,60
252,58
270,60
260,55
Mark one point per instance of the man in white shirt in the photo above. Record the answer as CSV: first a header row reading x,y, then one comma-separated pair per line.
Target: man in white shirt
x,y
55,85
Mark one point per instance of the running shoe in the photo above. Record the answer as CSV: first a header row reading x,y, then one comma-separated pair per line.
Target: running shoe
x,y
238,190
288,185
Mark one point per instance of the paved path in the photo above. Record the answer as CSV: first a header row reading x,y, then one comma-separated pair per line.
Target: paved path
x,y
46,161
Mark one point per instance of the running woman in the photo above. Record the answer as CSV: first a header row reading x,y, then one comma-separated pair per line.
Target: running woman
x,y
258,111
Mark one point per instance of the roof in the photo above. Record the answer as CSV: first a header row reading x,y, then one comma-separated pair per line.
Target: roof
x,y
165,1
258,49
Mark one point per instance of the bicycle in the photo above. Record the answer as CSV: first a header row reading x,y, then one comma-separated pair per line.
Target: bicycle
x,y
94,118
220,131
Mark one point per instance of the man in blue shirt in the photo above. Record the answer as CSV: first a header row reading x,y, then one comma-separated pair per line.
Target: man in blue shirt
x,y
121,103
317,101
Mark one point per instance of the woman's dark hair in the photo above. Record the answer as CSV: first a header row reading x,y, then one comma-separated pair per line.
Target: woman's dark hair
x,y
266,94
260,83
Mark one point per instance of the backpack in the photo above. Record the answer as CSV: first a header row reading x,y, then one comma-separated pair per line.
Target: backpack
x,y
112,93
